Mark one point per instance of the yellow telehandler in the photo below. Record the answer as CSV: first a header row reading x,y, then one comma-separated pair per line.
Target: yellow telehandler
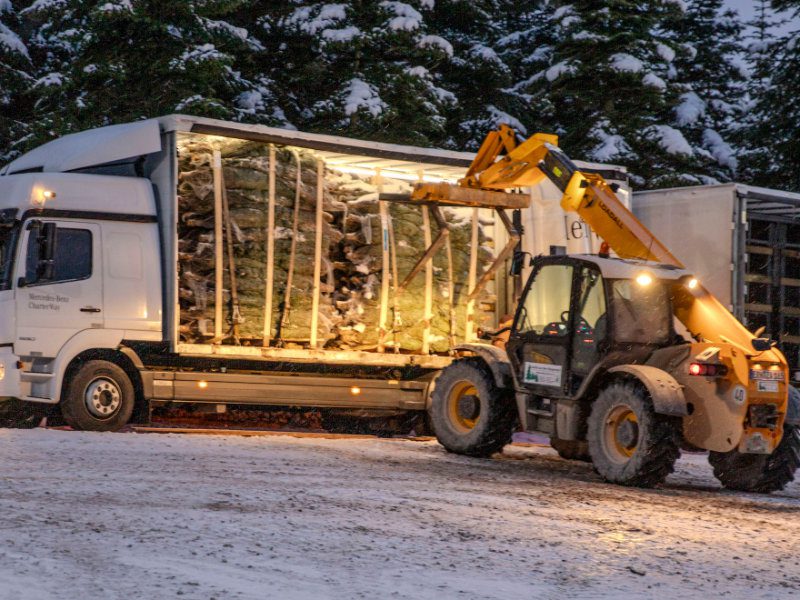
x,y
622,360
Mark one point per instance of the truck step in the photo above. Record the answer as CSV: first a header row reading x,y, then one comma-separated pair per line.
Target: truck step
x,y
32,377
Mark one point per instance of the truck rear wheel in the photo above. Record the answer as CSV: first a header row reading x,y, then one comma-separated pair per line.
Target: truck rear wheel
x,y
470,414
630,444
762,473
98,397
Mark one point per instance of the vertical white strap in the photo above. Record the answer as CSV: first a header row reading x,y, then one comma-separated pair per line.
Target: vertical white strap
x,y
218,257
317,253
270,250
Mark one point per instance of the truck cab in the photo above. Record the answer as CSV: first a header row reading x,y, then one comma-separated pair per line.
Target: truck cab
x,y
78,272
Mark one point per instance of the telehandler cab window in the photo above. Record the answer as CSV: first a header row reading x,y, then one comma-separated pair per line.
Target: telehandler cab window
x,y
545,310
642,313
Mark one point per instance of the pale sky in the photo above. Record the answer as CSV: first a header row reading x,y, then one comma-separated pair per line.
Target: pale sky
x,y
746,8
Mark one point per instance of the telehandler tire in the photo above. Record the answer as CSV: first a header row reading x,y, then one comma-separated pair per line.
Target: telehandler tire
x,y
761,473
630,444
470,414
99,397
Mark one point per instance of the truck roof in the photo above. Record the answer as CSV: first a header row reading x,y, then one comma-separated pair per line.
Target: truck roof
x,y
78,192
760,200
114,143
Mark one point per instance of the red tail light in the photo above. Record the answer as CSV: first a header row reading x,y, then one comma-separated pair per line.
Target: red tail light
x,y
707,370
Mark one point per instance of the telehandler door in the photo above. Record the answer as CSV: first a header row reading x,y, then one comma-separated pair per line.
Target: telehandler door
x,y
560,327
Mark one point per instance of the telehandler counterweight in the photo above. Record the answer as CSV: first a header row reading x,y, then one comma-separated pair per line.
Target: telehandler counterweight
x,y
593,357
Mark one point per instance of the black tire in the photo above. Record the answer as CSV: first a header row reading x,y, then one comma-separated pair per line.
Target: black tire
x,y
630,444
470,414
98,397
571,449
761,473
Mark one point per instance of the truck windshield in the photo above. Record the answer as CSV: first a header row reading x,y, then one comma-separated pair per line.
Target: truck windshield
x,y
8,239
642,313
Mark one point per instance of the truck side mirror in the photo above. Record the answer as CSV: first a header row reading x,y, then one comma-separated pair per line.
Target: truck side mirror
x,y
43,235
47,248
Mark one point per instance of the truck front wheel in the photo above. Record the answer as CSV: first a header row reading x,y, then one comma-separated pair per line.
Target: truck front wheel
x,y
630,444
762,473
470,414
98,397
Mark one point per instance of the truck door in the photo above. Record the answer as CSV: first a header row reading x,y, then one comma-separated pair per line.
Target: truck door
x,y
58,284
540,343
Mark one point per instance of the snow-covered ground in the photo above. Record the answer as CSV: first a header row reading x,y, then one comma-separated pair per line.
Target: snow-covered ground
x,y
153,516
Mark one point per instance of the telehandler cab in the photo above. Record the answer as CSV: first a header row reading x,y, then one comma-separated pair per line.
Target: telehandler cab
x,y
594,359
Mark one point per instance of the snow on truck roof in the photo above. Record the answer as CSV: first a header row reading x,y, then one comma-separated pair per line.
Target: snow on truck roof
x,y
114,143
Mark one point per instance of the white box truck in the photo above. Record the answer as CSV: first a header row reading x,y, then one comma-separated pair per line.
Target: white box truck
x,y
89,263
743,242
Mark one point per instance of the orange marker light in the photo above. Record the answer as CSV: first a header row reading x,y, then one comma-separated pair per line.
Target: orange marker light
x,y
202,384
355,390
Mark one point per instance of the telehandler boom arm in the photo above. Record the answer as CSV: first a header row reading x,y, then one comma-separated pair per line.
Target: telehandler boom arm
x,y
502,163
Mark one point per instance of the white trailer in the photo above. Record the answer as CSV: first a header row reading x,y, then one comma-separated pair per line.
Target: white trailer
x,y
90,292
744,244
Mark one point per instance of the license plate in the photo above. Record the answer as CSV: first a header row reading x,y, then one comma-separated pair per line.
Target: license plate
x,y
766,375
767,386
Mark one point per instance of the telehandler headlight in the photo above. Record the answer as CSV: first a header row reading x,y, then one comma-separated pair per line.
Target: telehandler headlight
x,y
644,279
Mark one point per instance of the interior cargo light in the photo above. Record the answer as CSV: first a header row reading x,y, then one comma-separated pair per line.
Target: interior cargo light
x,y
644,279
692,284
707,370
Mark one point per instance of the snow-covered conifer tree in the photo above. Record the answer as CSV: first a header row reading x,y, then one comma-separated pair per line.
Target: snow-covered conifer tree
x,y
770,152
607,87
484,35
110,61
710,74
369,69
15,79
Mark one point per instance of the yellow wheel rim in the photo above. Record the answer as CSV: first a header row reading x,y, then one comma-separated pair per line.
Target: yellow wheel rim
x,y
463,406
622,431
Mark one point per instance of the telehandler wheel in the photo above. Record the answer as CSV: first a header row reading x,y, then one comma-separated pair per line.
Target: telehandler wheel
x,y
762,473
99,397
629,442
470,414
